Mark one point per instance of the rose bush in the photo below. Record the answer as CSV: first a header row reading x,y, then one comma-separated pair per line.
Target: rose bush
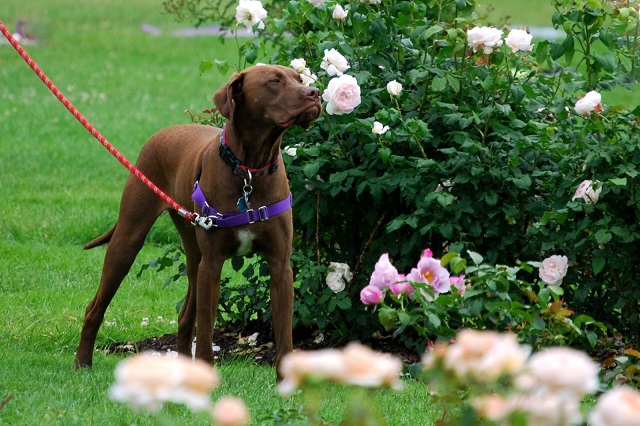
x,y
488,138
485,294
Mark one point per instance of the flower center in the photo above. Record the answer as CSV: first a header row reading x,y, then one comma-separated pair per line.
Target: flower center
x,y
428,275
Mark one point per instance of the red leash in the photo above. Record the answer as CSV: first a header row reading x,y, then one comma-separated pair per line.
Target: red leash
x,y
133,169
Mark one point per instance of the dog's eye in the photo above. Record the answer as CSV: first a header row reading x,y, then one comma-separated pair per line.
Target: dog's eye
x,y
274,81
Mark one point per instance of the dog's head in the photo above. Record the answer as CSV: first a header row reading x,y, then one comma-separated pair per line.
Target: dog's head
x,y
269,94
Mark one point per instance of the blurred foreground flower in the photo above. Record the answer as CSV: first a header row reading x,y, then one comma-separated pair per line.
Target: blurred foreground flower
x,y
230,411
481,355
559,371
617,407
503,384
355,364
146,382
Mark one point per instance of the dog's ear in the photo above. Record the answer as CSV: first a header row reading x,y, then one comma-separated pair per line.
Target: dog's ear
x,y
226,97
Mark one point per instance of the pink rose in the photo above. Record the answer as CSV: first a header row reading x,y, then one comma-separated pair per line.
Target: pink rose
x,y
401,288
371,295
342,95
432,272
384,273
458,283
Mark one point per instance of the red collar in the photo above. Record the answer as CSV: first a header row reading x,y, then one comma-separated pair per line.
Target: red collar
x,y
239,168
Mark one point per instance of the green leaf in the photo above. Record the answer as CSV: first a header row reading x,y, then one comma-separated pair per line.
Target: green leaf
x,y
439,84
475,257
387,318
310,169
431,31
603,236
205,66
598,264
444,260
606,61
618,181
405,319
433,319
237,263
344,303
556,50
384,153
454,83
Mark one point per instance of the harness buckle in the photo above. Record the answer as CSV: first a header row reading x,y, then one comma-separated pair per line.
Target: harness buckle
x,y
263,213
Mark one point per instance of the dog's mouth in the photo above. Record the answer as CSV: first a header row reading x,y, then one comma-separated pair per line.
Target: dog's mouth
x,y
305,118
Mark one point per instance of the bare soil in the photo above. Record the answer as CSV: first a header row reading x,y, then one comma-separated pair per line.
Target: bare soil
x,y
234,342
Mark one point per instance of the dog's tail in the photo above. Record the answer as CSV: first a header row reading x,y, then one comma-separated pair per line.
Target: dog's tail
x,y
102,239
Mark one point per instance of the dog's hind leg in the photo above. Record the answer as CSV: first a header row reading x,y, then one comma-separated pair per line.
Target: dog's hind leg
x,y
139,209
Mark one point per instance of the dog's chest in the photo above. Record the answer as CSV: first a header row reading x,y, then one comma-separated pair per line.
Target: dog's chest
x,y
245,237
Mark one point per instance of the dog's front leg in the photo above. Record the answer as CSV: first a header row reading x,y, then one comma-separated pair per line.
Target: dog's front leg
x,y
207,296
281,292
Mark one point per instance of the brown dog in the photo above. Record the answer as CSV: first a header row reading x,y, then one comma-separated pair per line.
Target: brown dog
x,y
236,169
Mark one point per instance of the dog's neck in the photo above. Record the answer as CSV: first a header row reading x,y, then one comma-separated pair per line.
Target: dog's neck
x,y
255,149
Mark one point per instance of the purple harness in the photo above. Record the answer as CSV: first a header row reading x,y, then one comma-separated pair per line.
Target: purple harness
x,y
246,215
231,220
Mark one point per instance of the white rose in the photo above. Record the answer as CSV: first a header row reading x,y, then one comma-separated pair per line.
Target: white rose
x,y
339,14
446,184
299,65
337,275
553,270
485,38
379,129
394,88
587,193
307,77
519,40
334,63
591,102
342,95
250,13
290,150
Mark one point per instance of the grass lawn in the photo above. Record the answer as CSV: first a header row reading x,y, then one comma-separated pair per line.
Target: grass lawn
x,y
60,188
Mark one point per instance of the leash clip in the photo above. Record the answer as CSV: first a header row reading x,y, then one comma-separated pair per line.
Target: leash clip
x,y
205,222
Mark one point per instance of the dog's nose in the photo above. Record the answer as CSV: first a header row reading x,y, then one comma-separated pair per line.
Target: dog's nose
x,y
312,92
